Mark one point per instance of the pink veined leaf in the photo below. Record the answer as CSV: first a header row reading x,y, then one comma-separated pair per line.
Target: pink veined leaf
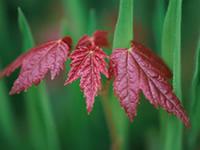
x,y
88,63
137,69
36,63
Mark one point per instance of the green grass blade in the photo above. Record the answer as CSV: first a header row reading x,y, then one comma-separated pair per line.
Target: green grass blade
x,y
27,37
122,37
124,28
43,131
171,52
195,106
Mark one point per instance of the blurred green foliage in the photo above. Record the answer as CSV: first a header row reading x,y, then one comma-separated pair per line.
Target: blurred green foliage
x,y
66,118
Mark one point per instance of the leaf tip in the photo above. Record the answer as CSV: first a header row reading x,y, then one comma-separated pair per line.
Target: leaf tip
x,y
185,120
66,83
131,117
19,10
89,109
13,92
16,89
187,124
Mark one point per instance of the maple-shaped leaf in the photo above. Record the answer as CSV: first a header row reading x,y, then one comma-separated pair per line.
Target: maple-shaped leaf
x,y
36,63
137,69
87,63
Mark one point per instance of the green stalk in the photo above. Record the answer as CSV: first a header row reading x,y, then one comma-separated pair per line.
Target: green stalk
x,y
42,127
171,52
195,105
124,27
122,37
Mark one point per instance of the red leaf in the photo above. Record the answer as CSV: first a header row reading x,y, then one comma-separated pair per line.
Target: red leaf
x,y
35,64
138,69
87,63
99,38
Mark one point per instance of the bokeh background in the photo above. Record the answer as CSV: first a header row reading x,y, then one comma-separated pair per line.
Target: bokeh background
x,y
66,120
